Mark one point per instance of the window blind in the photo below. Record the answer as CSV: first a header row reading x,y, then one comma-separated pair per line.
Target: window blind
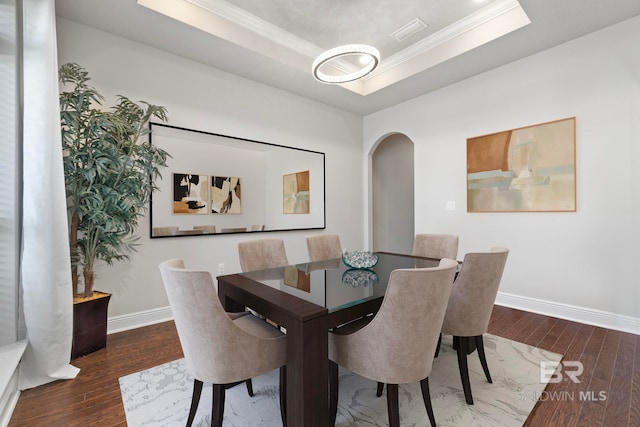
x,y
9,174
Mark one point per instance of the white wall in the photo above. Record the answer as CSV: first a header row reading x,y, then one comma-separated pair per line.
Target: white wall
x,y
580,264
203,98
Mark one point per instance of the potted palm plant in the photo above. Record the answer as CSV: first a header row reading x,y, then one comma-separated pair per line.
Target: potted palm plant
x,y
109,175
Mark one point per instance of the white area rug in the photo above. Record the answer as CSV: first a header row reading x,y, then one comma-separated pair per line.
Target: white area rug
x,y
161,396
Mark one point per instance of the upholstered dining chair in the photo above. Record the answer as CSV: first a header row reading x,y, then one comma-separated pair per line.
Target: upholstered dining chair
x,y
469,308
191,232
219,348
209,228
259,254
397,344
436,246
324,246
164,231
234,230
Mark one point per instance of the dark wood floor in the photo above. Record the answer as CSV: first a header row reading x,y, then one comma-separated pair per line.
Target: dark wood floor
x,y
611,362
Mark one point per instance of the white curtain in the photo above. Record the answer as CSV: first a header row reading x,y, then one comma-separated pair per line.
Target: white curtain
x,y
46,272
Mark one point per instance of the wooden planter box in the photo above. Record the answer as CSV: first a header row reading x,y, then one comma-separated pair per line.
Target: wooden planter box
x,y
89,324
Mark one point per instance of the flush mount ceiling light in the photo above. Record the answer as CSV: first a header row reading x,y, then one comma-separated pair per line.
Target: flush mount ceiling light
x,y
367,57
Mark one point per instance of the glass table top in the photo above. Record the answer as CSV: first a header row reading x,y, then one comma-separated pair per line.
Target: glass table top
x,y
334,285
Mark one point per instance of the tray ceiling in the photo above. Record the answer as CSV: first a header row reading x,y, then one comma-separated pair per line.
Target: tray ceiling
x,y
424,45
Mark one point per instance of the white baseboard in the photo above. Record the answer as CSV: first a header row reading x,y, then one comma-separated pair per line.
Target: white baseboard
x,y
571,312
138,320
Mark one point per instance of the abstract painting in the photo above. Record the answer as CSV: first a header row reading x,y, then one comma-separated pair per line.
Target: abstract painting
x,y
295,193
529,169
226,197
190,194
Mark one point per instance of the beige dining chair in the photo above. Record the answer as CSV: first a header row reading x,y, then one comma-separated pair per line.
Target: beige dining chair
x,y
220,348
470,306
259,254
234,230
191,232
436,246
209,228
164,231
397,344
324,246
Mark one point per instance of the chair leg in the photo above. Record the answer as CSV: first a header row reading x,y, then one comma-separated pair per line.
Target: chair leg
x,y
426,396
438,346
217,411
195,399
462,347
333,392
283,395
379,389
249,387
483,358
392,405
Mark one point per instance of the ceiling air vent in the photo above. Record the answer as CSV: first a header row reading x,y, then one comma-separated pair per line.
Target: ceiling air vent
x,y
409,29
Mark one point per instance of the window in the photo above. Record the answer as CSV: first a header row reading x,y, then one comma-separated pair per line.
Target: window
x,y
9,173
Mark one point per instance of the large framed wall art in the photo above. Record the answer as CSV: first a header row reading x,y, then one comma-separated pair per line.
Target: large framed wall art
x,y
226,197
529,169
218,184
295,193
190,194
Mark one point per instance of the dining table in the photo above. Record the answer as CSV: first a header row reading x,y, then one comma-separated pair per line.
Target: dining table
x,y
308,300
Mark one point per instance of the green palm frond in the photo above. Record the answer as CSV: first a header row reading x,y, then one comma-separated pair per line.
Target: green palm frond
x,y
109,168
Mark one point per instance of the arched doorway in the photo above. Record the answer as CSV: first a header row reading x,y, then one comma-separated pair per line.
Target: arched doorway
x,y
392,194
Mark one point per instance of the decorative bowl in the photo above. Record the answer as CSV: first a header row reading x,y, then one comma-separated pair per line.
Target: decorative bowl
x,y
356,277
360,259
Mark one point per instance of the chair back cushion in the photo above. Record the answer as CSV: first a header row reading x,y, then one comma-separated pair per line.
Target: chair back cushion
x,y
474,293
209,228
164,231
259,254
324,246
436,246
398,345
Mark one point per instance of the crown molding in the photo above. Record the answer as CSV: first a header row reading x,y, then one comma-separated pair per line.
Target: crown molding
x,y
258,26
483,16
